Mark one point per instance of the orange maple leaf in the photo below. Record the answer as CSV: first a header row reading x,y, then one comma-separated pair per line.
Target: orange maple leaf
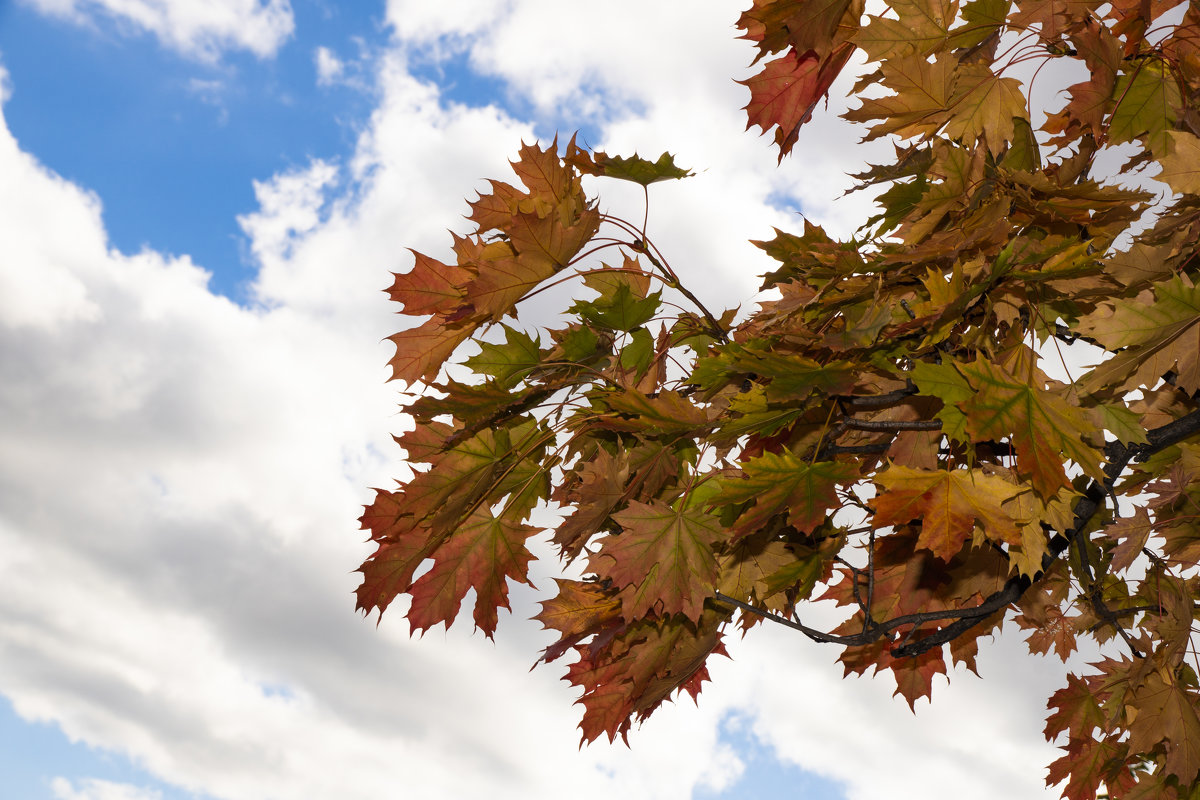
x,y
948,503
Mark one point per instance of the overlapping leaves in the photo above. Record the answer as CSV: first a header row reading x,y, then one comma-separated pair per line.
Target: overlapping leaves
x,y
882,429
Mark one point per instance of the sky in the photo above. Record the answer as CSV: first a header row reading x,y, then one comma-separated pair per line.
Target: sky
x,y
200,204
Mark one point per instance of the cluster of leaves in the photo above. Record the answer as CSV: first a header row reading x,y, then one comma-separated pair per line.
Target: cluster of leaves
x,y
882,433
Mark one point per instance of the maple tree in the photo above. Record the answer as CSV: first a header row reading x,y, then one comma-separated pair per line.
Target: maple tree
x,y
882,433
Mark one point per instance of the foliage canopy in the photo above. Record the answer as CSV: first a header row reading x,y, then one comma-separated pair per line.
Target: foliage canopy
x,y
882,433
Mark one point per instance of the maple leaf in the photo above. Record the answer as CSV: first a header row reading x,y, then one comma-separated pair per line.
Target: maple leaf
x,y
914,676
947,384
635,670
1146,103
1043,427
785,92
922,99
1086,766
1166,712
1156,333
708,463
634,169
389,571
1057,632
782,482
581,609
984,106
1181,164
508,363
484,552
662,560
430,287
421,351
948,504
921,27
1078,712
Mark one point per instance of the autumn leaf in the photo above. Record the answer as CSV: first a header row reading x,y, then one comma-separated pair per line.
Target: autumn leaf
x,y
1044,428
984,106
920,27
421,351
785,92
430,287
781,482
914,676
632,673
1166,712
1181,164
1155,333
580,609
948,504
662,560
920,105
634,169
879,427
484,552
401,549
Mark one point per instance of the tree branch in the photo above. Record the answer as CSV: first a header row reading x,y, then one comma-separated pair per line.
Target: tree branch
x,y
966,618
1119,457
893,426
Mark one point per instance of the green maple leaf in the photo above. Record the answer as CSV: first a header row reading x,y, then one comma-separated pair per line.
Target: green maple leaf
x,y
621,311
508,363
1146,101
783,482
634,169
947,384
1044,428
662,560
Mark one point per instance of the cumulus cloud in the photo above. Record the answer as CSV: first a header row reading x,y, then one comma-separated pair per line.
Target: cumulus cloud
x,y
197,28
179,482
179,475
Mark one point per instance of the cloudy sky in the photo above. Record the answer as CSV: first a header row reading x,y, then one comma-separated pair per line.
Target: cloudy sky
x,y
200,203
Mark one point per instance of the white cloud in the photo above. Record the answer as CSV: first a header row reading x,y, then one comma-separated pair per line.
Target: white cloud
x,y
179,475
329,66
96,789
197,28
179,479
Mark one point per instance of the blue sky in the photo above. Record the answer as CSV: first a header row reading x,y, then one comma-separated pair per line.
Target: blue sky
x,y
172,145
181,462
